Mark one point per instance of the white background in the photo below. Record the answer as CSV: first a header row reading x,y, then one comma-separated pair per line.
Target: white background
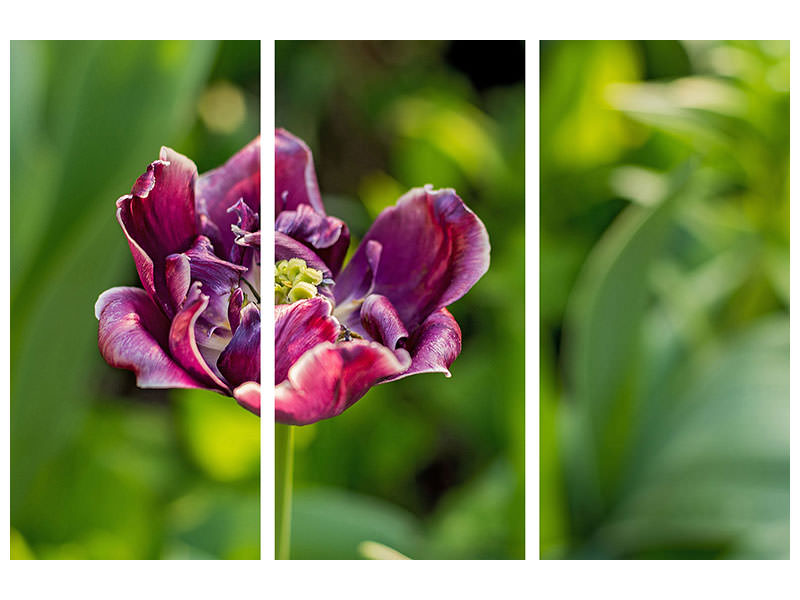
x,y
410,19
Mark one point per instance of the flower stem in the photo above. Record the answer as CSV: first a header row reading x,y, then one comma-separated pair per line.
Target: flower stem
x,y
284,463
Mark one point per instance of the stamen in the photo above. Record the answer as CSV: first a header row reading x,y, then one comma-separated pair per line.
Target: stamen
x,y
294,280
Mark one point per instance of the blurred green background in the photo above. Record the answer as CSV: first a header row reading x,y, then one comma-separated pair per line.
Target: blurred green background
x,y
664,278
99,468
429,466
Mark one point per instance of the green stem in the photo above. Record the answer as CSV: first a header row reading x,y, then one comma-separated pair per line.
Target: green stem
x,y
284,463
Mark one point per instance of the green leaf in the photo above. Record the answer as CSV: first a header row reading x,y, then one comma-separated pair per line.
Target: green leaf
x,y
329,523
714,472
602,338
110,106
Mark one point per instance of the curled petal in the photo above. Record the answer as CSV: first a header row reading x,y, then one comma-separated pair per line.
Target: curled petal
x,y
246,225
246,232
218,278
328,236
158,218
240,361
183,340
357,282
311,227
329,378
433,346
133,334
142,260
178,274
295,179
246,217
220,189
299,327
248,395
287,248
434,250
246,248
381,322
248,239
235,308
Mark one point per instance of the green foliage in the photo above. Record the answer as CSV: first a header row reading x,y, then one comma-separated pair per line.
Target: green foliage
x,y
332,523
664,357
428,466
95,464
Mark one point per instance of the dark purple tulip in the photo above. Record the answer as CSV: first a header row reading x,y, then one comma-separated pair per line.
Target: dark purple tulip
x,y
339,332
196,242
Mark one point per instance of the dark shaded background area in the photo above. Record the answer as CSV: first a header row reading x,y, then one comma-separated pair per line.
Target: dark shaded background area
x,y
664,274
430,466
99,468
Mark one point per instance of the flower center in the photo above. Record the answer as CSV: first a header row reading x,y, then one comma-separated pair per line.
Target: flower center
x,y
294,280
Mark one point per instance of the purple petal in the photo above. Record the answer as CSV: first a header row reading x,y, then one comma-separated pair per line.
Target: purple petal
x,y
240,361
329,378
434,250
219,190
183,340
295,180
380,321
357,282
249,240
218,277
248,395
298,328
234,308
178,273
433,346
246,250
213,186
158,218
133,334
286,248
327,236
246,232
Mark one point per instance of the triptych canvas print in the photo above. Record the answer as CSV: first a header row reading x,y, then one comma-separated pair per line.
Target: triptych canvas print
x,y
618,281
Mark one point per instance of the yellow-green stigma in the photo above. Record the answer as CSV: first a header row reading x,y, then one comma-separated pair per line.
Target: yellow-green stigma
x,y
294,281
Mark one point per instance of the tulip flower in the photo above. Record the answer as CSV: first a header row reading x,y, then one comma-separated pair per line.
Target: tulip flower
x,y
195,241
338,332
